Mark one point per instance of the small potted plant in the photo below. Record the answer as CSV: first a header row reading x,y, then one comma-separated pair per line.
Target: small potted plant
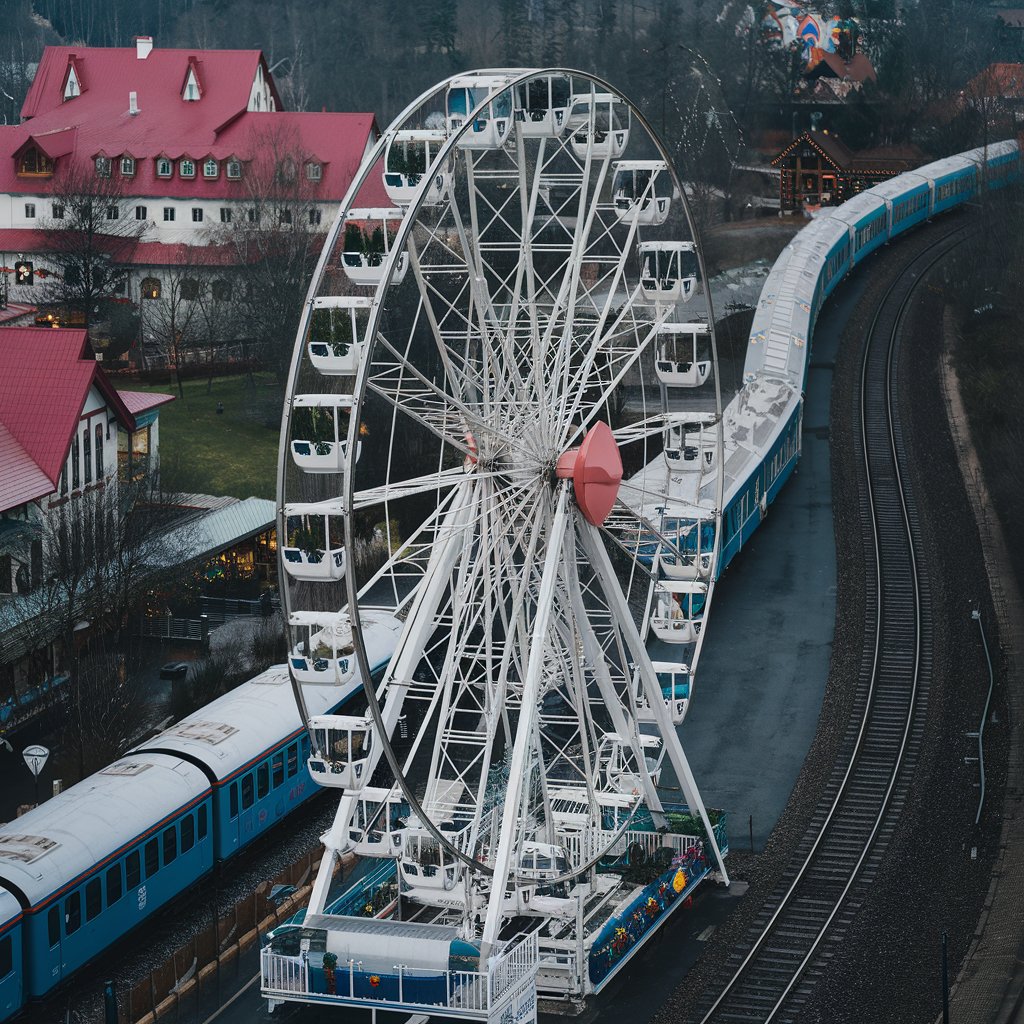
x,y
330,966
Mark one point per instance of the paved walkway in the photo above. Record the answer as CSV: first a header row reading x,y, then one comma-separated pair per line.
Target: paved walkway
x,y
990,987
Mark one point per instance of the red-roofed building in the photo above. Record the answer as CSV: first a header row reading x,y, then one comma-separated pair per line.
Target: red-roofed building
x,y
183,134
65,431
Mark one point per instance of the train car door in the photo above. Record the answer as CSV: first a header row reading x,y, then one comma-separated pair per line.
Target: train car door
x,y
42,937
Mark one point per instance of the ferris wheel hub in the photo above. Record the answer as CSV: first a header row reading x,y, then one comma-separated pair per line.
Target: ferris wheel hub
x,y
595,469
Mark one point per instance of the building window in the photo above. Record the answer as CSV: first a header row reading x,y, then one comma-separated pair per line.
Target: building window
x,y
163,167
76,468
103,166
197,215
221,291
314,171
253,215
112,213
58,211
190,288
168,213
87,454
150,288
225,215
30,210
234,169
128,166
314,217
285,216
187,168
210,169
140,213
99,451
34,162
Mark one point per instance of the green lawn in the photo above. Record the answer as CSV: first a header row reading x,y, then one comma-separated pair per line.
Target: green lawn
x,y
231,453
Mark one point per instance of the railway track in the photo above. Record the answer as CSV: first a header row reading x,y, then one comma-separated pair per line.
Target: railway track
x,y
790,943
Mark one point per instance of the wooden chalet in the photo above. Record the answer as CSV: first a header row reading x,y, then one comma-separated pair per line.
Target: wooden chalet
x,y
818,169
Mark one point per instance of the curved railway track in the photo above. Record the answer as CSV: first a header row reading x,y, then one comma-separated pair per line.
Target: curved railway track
x,y
792,940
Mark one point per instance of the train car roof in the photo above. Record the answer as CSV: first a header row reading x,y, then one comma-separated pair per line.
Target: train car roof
x,y
46,850
897,187
234,731
10,909
993,150
946,166
859,207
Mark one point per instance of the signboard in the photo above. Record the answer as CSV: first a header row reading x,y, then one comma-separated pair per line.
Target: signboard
x,y
35,757
23,272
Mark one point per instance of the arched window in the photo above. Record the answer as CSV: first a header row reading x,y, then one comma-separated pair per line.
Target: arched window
x,y
210,168
187,168
163,167
150,288
234,169
221,290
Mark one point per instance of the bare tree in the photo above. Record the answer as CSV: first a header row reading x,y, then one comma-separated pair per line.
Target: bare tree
x,y
274,245
89,239
174,320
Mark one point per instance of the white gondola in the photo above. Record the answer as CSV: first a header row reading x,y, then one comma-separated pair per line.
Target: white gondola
x,y
491,127
326,657
642,191
694,543
599,122
616,762
375,829
365,252
542,105
678,610
340,755
408,161
424,863
319,438
314,549
668,270
674,680
680,360
690,447
336,344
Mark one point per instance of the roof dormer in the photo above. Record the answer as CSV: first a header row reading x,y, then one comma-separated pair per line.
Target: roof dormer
x,y
192,90
72,86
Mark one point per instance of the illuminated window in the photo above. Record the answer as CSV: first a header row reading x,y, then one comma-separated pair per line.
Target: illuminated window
x,y
150,288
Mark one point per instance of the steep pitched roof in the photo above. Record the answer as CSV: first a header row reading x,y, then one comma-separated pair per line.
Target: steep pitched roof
x,y
830,146
45,377
219,125
997,81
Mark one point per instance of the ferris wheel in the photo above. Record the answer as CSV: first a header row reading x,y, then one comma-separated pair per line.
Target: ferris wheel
x,y
501,460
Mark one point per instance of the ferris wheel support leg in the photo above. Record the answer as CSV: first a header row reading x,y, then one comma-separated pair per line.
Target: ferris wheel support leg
x,y
507,837
595,549
625,727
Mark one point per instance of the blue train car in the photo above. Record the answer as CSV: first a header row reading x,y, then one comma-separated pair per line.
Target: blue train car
x,y
12,994
867,216
91,864
253,748
909,199
953,181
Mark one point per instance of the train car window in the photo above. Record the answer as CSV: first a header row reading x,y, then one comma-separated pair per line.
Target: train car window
x,y
152,858
170,845
6,957
53,925
132,870
233,793
93,899
188,833
247,792
114,887
293,760
262,781
277,769
72,913
305,748
201,815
